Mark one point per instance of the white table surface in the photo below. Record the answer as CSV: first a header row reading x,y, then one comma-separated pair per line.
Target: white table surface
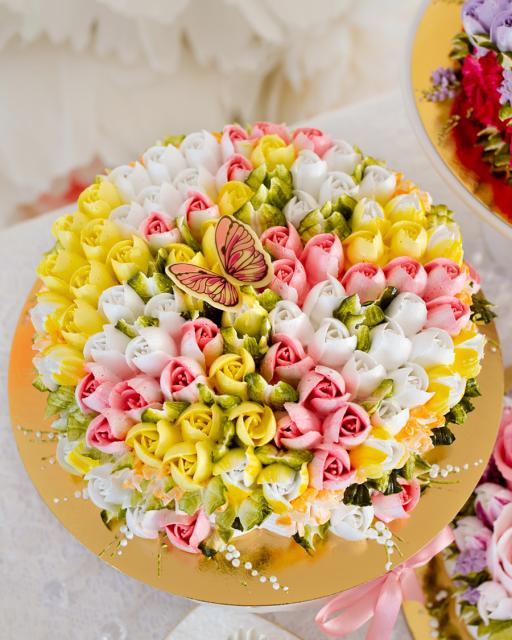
x,y
53,588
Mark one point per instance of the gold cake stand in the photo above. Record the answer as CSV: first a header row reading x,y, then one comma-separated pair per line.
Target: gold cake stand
x,y
430,44
338,564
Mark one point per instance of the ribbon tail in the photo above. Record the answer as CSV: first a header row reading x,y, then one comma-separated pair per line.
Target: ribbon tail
x,y
411,588
386,610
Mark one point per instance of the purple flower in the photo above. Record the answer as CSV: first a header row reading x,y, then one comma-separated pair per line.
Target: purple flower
x,y
478,15
501,30
471,595
471,561
444,85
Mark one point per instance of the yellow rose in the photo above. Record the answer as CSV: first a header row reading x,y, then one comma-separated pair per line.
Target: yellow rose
x,y
251,319
444,241
89,282
238,469
368,215
46,313
469,351
98,200
232,196
448,387
200,422
80,462
255,424
180,252
379,454
57,267
273,150
79,321
190,464
60,364
407,207
407,238
228,371
128,257
209,248
65,232
364,246
98,237
152,441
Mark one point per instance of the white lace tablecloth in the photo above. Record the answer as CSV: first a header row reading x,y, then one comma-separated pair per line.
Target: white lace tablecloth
x,y
53,588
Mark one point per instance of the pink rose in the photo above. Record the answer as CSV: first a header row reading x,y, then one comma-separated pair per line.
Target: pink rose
x,y
490,500
93,390
282,242
311,139
235,139
180,378
322,390
471,534
499,552
237,167
322,256
349,426
108,430
444,278
407,275
365,279
202,341
300,429
474,278
447,313
159,230
187,532
330,468
503,447
198,208
263,128
285,360
289,280
134,395
397,505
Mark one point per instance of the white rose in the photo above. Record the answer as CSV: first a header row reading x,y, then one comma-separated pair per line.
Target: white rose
x,y
108,348
389,346
167,307
201,149
332,345
390,416
287,317
443,234
108,490
456,385
120,303
432,347
367,214
377,183
163,163
405,206
362,374
151,350
342,157
323,299
393,451
129,180
410,385
298,206
286,530
409,311
476,342
165,199
195,179
64,448
147,524
335,185
309,172
351,522
128,217
494,603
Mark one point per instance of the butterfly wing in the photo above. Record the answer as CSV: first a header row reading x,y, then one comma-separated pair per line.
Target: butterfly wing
x,y
241,253
204,284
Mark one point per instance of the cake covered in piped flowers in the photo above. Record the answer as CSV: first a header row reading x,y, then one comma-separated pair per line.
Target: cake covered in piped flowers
x,y
256,328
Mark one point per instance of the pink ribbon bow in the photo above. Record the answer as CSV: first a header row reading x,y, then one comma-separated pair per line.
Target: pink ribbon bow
x,y
381,598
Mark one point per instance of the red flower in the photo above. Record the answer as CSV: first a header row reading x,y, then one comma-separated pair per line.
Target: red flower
x,y
481,78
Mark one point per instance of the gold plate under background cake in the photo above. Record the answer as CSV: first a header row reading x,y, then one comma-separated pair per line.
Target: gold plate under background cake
x,y
439,21
336,566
